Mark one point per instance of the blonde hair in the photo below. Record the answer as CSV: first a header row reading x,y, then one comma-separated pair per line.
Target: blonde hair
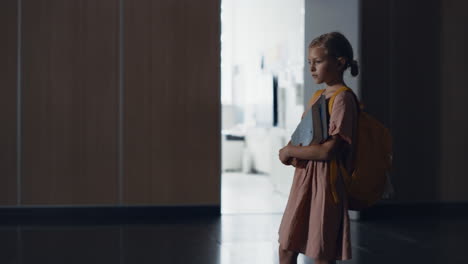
x,y
337,45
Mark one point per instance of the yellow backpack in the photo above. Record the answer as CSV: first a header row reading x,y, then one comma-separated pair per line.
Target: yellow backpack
x,y
372,159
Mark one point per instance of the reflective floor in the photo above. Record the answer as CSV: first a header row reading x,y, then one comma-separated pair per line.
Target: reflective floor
x,y
246,233
250,193
232,239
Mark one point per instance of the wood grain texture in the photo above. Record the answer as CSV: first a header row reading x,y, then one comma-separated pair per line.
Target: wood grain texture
x,y
454,97
70,101
8,91
172,102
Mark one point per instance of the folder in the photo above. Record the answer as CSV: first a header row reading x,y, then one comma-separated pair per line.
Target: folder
x,y
313,128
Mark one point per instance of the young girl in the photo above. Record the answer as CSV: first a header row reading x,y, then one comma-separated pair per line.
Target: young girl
x,y
314,222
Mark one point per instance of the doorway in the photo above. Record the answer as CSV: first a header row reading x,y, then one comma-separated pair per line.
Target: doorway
x,y
262,65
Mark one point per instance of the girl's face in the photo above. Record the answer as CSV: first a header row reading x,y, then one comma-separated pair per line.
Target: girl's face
x,y
323,68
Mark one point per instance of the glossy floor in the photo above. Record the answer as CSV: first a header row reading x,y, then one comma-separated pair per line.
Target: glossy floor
x,y
232,239
250,194
245,234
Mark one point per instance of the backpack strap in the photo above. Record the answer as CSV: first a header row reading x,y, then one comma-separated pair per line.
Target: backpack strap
x,y
332,98
313,99
334,166
316,95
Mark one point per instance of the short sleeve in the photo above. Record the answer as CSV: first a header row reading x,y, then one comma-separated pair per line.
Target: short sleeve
x,y
343,119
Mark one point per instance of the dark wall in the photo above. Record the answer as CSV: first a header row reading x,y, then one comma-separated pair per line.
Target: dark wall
x,y
110,102
412,63
69,102
72,78
8,111
375,70
400,86
454,101
415,107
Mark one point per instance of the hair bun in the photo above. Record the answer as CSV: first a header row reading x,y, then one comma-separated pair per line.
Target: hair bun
x,y
353,63
354,68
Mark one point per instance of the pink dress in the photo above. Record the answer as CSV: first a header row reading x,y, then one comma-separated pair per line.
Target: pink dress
x,y
313,223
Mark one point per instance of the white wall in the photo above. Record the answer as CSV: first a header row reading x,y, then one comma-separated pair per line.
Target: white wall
x,y
250,30
326,16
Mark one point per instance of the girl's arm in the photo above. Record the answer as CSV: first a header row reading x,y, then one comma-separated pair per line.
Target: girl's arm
x,y
292,161
324,151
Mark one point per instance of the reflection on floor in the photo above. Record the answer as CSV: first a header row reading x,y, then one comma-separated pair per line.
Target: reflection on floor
x,y
246,233
228,239
250,193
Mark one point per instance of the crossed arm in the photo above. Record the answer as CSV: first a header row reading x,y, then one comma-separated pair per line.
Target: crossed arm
x,y
324,151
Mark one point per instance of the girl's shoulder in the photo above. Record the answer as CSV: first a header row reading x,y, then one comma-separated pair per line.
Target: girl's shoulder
x,y
345,100
346,96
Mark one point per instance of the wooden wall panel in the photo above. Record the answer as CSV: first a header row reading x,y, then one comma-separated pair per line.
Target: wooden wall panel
x,y
415,109
454,95
172,102
8,90
70,101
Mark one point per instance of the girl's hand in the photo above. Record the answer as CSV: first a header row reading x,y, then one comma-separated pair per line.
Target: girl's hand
x,y
293,162
284,155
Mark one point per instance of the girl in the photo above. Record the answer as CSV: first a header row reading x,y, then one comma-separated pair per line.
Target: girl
x,y
314,222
